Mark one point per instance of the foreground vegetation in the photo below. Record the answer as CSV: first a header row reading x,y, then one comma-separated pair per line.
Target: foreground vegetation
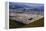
x,y
15,24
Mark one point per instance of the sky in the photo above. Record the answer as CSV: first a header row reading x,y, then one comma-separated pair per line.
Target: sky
x,y
21,6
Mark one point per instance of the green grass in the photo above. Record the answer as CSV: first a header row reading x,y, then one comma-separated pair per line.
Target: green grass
x,y
15,24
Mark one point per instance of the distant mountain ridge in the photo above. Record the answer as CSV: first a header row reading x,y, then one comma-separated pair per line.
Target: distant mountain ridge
x,y
27,6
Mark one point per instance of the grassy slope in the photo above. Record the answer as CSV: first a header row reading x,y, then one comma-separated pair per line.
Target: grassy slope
x,y
15,24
